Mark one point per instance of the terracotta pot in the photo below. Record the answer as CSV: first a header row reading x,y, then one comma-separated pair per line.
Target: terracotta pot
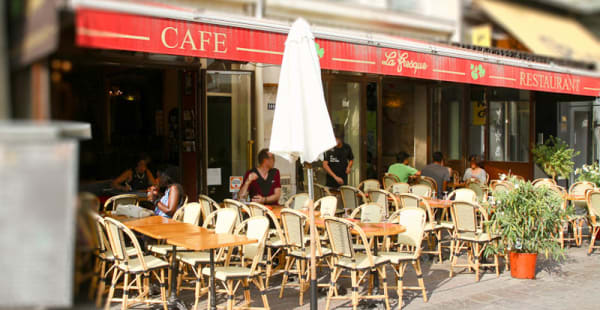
x,y
522,265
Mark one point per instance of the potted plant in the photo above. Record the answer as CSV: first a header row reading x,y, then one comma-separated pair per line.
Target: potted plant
x,y
554,157
528,220
589,173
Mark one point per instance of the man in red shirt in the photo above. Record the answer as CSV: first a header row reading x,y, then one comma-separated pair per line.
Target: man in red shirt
x,y
263,182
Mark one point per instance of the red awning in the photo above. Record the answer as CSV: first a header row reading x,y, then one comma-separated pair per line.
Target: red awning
x,y
178,33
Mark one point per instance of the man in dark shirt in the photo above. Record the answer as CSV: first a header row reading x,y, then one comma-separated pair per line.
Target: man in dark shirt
x,y
338,162
262,183
438,172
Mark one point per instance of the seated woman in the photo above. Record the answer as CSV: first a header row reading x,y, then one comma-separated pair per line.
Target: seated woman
x,y
135,179
173,196
475,171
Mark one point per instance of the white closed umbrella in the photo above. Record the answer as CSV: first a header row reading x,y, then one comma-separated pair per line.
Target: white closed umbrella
x,y
301,125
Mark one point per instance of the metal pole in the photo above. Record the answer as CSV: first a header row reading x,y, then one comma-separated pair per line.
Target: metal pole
x,y
313,244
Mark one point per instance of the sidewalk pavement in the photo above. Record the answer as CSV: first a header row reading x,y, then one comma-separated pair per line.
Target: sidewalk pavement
x,y
570,285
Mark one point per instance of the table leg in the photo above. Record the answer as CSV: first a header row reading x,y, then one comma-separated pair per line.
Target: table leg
x,y
374,271
173,301
213,292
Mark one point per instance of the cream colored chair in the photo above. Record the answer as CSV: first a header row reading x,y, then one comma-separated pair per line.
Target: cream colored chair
x,y
386,200
543,181
327,205
471,235
352,197
321,191
358,264
136,269
433,228
566,223
399,188
225,220
125,199
208,206
368,185
276,243
422,190
243,210
369,213
388,180
593,203
408,249
498,186
297,201
464,194
231,277
579,206
294,223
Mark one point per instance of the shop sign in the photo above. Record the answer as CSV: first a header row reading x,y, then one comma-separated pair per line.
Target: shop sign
x,y
235,183
479,110
112,30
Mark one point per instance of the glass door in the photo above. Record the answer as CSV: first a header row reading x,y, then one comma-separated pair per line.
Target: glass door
x,y
228,117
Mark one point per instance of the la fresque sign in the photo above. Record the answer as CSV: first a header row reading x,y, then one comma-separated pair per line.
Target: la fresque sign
x,y
111,30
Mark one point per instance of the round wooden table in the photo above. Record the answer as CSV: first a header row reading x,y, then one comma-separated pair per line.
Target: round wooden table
x,y
439,203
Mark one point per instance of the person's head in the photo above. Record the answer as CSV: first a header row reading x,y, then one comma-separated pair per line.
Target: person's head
x,y
402,157
339,138
266,159
142,163
474,162
438,157
168,176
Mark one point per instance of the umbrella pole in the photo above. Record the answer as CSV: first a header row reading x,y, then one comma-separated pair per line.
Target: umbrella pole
x,y
313,244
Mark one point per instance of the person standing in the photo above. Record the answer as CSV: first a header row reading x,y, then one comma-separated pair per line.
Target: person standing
x,y
438,172
262,183
401,169
338,163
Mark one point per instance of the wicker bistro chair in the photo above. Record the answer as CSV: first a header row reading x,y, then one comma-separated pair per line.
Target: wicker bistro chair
x,y
369,213
243,210
276,242
321,191
358,264
105,258
368,185
433,228
137,266
543,181
427,181
384,199
497,186
566,223
297,201
189,213
480,190
592,198
408,249
89,201
423,190
464,194
294,223
469,234
327,205
580,207
399,188
256,227
388,180
225,220
208,206
352,197
124,199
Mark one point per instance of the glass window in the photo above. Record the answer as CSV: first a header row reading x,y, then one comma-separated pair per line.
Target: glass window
x,y
345,115
446,118
509,125
477,120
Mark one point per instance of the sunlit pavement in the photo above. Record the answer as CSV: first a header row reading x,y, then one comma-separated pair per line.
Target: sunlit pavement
x,y
570,285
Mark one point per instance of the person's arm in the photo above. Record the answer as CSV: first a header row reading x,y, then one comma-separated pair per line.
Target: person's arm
x,y
116,183
349,168
248,179
467,175
173,202
330,172
151,178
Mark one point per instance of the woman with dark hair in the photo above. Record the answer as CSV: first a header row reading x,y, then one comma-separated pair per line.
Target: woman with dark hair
x,y
173,196
475,171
